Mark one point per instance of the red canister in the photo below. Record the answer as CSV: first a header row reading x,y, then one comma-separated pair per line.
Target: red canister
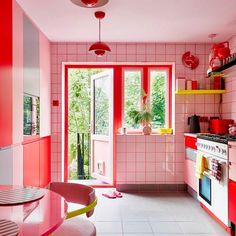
x,y
217,84
194,84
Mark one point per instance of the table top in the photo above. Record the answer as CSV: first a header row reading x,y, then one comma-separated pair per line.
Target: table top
x,y
40,217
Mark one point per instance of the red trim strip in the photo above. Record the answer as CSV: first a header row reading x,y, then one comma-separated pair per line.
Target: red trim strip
x,y
66,126
228,229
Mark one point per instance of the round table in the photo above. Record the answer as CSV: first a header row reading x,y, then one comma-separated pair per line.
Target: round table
x,y
40,217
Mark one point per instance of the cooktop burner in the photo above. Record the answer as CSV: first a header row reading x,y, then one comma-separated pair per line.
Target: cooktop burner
x,y
218,138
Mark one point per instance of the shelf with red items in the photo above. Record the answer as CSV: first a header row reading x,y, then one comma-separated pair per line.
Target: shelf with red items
x,y
229,62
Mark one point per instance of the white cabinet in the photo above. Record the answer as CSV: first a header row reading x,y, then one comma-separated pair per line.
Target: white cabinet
x,y
11,165
6,166
232,161
189,176
190,162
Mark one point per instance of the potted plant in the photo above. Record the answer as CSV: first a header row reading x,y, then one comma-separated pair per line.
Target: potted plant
x,y
143,116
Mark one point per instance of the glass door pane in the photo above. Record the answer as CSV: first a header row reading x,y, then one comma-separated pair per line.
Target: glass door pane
x,y
101,106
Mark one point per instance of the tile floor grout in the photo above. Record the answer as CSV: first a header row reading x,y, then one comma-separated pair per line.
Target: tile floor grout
x,y
158,214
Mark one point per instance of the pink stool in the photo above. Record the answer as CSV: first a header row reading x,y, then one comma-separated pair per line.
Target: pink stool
x,y
80,194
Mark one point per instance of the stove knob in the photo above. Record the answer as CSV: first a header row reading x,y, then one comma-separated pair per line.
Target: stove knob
x,y
223,151
217,149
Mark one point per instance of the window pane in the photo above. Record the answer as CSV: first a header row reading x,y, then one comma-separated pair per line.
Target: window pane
x,y
101,106
158,97
132,96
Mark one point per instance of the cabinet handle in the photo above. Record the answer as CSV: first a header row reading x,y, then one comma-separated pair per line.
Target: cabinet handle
x,y
230,163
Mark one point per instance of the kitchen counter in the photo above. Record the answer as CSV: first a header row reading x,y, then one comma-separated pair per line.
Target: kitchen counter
x,y
232,143
190,135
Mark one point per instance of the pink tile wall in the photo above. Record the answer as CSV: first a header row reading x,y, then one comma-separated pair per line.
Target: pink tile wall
x,y
229,98
167,158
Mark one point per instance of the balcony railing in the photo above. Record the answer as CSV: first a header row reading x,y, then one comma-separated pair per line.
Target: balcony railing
x,y
83,156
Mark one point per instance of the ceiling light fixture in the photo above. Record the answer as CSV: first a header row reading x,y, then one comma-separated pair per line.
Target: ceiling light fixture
x,y
90,3
99,48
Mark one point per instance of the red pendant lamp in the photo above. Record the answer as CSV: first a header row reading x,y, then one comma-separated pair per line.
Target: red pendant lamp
x,y
99,48
90,3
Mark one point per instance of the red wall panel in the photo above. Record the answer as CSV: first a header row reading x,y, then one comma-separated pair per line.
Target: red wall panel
x,y
45,162
6,73
232,201
37,162
31,163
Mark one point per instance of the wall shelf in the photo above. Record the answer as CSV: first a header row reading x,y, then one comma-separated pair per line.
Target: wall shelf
x,y
205,91
224,67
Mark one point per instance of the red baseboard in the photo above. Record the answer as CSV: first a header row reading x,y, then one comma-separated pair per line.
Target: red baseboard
x,y
227,228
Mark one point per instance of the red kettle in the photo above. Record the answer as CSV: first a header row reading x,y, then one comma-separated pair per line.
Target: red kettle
x,y
219,52
223,50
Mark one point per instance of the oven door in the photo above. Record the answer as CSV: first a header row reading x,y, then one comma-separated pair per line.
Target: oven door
x,y
205,189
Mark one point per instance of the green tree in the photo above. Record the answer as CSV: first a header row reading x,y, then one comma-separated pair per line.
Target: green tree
x,y
158,99
132,96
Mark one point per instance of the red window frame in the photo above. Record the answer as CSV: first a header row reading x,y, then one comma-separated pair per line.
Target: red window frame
x,y
146,69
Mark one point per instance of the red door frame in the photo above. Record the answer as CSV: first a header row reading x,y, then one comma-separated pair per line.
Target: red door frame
x,y
117,102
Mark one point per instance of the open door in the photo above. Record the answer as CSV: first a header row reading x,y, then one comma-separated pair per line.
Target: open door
x,y
102,126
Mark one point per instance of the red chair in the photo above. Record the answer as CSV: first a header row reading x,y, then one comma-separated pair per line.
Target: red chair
x,y
80,194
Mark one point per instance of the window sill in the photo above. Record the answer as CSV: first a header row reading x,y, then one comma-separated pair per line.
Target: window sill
x,y
141,134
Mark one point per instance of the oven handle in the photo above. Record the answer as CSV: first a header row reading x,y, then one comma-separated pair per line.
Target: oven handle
x,y
220,162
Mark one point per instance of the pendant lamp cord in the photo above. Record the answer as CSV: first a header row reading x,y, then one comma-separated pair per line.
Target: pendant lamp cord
x,y
99,30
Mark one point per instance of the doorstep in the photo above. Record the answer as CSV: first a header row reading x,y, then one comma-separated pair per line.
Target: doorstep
x,y
151,187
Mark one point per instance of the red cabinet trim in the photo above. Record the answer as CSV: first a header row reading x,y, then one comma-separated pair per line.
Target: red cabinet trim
x,y
191,142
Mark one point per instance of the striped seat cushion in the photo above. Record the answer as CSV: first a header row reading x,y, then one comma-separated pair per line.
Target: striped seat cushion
x,y
8,228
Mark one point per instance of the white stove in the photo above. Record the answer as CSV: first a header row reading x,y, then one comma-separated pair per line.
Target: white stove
x,y
213,148
213,193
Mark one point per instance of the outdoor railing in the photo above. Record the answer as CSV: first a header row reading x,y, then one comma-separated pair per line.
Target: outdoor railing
x,y
83,155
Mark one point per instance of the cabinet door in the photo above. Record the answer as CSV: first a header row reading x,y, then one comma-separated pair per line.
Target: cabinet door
x,y
6,73
31,164
6,166
232,201
189,175
232,162
232,171
232,154
45,162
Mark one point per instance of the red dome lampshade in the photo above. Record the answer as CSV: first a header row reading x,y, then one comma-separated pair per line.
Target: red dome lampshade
x,y
99,48
89,3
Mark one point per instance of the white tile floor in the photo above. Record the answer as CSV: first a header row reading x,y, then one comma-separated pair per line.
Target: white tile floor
x,y
159,214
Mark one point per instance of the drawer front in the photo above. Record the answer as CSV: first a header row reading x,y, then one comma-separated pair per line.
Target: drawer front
x,y
232,201
232,171
191,142
232,154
